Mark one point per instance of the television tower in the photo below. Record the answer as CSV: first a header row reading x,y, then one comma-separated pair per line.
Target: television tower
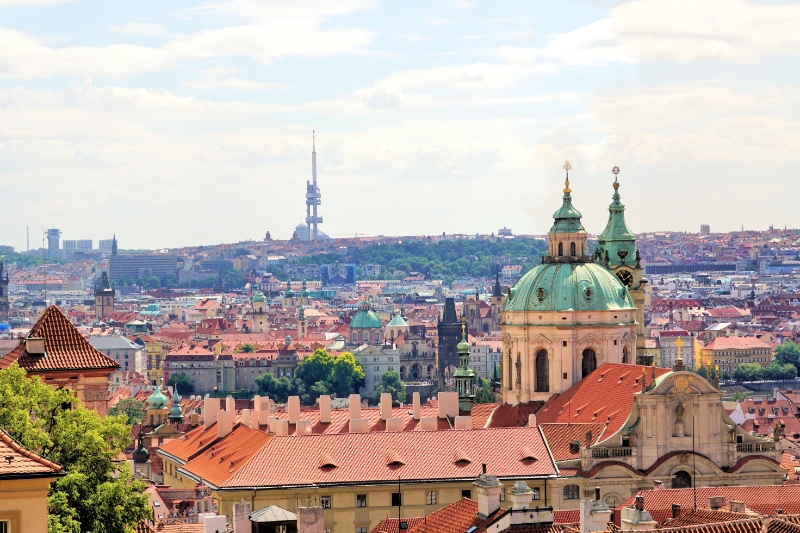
x,y
313,196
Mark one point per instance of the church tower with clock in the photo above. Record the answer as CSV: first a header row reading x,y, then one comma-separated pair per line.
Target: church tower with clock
x,y
617,251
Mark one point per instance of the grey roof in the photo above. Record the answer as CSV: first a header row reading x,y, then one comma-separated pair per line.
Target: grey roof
x,y
115,342
273,513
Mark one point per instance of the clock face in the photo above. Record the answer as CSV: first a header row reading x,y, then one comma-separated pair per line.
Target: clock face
x,y
625,277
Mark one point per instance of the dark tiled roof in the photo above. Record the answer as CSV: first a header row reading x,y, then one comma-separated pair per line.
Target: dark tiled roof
x,y
23,462
65,347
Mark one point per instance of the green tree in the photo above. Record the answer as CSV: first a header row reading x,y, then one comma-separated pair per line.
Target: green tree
x,y
391,383
702,371
747,372
279,389
318,367
246,348
240,252
348,374
788,353
97,495
183,383
131,409
484,393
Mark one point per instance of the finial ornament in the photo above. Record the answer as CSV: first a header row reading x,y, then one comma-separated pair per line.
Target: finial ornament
x,y
615,170
567,167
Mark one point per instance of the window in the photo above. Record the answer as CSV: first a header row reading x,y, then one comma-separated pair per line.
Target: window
x,y
361,530
536,494
466,493
430,497
588,362
325,502
571,492
396,499
326,531
361,500
4,527
542,372
503,494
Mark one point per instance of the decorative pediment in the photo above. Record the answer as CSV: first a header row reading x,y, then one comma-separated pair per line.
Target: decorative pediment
x,y
590,339
540,340
683,383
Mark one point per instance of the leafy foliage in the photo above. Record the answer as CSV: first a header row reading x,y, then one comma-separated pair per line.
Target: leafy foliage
x,y
391,383
183,383
754,372
54,424
447,260
131,409
27,260
246,348
484,393
315,376
788,353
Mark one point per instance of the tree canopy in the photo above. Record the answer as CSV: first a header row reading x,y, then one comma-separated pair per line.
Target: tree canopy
x,y
755,372
391,383
484,393
315,376
131,409
182,382
788,353
55,425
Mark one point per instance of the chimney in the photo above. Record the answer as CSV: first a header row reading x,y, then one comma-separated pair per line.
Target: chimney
x,y
737,506
386,406
520,496
359,425
638,501
310,520
428,423
448,404
225,423
254,420
210,410
394,424
635,518
293,407
658,485
35,346
532,420
256,403
488,490
676,510
264,411
303,427
715,502
325,409
281,428
241,517
778,512
416,403
355,406
212,523
230,404
463,422
246,417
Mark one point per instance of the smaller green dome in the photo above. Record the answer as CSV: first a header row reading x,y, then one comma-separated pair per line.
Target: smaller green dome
x,y
157,400
366,319
259,297
463,346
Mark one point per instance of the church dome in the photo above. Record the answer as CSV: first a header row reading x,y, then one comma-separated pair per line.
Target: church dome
x,y
259,297
175,412
366,319
157,400
568,287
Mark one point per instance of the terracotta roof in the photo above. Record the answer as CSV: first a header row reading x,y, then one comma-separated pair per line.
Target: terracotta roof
x,y
65,347
23,463
361,457
705,516
736,343
193,442
752,525
509,416
391,525
569,516
226,456
560,436
604,396
457,517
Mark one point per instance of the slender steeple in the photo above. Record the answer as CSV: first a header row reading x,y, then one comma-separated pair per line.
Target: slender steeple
x,y
616,244
313,196
567,237
114,245
464,375
497,291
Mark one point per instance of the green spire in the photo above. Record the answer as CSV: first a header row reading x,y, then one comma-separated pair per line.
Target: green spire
x,y
464,375
617,242
301,313
567,219
175,412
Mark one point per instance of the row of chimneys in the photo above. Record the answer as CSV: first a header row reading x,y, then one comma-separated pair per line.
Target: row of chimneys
x,y
260,414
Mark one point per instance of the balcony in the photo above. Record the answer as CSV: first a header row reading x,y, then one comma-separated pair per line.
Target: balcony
x,y
606,453
755,447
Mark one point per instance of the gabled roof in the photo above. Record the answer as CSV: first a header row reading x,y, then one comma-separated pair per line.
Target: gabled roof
x,y
362,457
23,463
65,347
220,461
605,396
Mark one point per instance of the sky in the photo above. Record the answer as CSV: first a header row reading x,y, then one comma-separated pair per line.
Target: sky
x,y
175,123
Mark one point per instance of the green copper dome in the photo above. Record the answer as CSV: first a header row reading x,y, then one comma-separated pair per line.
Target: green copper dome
x,y
175,412
259,297
567,218
616,246
397,321
366,319
157,400
567,287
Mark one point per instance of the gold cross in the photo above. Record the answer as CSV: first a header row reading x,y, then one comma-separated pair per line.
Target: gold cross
x,y
679,343
567,167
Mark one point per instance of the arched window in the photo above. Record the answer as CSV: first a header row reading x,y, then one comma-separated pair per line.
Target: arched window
x,y
682,480
572,248
560,249
572,492
625,355
542,372
588,362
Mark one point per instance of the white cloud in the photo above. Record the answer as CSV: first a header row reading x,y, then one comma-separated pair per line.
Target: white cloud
x,y
140,28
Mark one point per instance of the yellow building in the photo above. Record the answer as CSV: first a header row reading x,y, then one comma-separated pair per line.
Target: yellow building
x,y
24,484
730,352
155,356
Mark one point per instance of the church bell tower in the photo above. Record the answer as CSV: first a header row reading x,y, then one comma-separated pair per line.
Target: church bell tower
x,y
617,251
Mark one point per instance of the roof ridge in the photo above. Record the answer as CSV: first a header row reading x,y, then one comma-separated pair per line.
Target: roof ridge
x,y
14,445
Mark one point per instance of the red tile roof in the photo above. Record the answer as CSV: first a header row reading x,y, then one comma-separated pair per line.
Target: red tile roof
x,y
225,457
391,525
23,463
736,343
363,457
605,396
705,516
560,436
65,347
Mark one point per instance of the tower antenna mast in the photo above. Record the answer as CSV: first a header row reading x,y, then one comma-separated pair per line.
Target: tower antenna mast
x,y
313,196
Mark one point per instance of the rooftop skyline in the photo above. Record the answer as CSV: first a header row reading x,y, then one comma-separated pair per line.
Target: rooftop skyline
x,y
190,123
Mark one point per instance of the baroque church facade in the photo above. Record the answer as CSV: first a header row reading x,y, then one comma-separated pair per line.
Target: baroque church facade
x,y
574,311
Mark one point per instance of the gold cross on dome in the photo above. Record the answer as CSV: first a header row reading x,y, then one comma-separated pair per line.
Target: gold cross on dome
x,y
567,167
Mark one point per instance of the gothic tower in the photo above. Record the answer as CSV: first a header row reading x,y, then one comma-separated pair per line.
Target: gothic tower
x,y
496,302
617,251
4,305
449,336
103,298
